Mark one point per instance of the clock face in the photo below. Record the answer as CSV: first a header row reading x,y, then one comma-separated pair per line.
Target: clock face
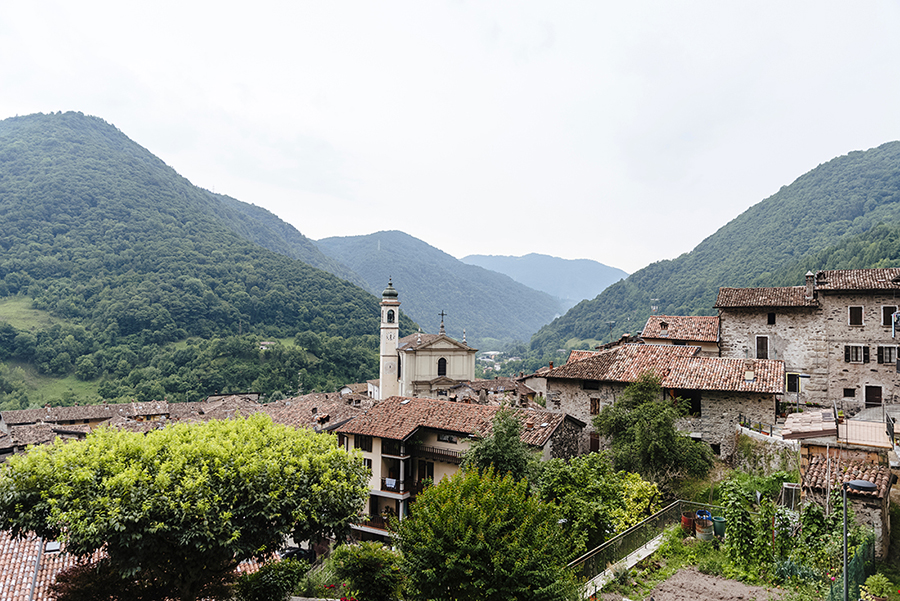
x,y
390,336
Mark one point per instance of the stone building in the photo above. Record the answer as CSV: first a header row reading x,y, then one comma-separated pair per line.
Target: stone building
x,y
719,390
836,335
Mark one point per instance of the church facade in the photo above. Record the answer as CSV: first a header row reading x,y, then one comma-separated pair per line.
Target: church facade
x,y
419,365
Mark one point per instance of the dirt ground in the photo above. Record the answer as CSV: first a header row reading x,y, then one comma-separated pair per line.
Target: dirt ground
x,y
690,585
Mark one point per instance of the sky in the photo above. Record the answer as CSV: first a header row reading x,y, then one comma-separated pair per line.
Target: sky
x,y
625,132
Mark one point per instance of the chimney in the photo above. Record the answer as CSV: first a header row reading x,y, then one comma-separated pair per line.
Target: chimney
x,y
810,284
551,365
529,425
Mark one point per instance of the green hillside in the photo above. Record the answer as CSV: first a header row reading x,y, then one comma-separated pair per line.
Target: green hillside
x,y
769,244
486,304
131,257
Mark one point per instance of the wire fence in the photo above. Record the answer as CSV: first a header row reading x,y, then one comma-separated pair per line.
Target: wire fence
x,y
595,561
860,567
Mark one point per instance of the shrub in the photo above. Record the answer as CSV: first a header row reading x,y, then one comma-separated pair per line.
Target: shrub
x,y
273,582
372,569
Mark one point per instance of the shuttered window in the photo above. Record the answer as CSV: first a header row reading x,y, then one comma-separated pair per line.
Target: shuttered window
x,y
854,353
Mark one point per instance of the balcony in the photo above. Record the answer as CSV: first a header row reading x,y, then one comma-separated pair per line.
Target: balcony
x,y
397,486
373,521
436,454
391,447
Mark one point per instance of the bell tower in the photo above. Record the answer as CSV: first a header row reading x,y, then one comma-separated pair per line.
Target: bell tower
x,y
389,370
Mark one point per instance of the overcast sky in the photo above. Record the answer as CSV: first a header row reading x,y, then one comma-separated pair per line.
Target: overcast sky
x,y
623,132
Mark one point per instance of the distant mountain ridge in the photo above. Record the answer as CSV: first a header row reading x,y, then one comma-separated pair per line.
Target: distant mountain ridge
x,y
484,303
569,280
845,198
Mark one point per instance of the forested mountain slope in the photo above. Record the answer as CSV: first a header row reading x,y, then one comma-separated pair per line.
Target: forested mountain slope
x,y
105,236
568,280
766,245
485,303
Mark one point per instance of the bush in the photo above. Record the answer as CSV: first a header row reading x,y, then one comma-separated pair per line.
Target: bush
x,y
371,568
273,582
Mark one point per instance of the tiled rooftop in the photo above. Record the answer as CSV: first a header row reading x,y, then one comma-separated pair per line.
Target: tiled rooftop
x,y
859,279
694,328
817,476
398,418
795,296
677,367
419,340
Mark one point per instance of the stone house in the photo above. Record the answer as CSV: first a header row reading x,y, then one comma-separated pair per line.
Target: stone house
x,y
681,330
719,390
837,335
405,441
496,391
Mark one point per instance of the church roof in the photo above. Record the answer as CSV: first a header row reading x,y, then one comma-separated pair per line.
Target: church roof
x,y
419,340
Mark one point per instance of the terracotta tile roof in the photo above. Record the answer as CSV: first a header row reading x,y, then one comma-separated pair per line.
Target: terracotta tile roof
x,y
816,476
398,418
17,567
496,386
859,279
795,296
623,363
723,374
331,409
83,412
579,354
677,367
695,328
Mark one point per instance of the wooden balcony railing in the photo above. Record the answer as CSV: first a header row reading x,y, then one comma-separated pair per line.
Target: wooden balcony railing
x,y
436,454
397,486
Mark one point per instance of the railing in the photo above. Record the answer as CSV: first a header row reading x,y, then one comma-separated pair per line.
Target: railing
x,y
756,426
595,561
373,521
397,486
436,454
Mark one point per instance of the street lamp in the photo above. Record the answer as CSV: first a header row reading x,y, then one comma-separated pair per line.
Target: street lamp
x,y
858,486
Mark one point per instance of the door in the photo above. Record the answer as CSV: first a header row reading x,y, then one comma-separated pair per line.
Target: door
x,y
873,396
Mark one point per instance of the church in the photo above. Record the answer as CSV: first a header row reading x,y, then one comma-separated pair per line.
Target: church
x,y
419,365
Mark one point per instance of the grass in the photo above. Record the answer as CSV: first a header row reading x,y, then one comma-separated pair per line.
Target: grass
x,y
43,389
18,311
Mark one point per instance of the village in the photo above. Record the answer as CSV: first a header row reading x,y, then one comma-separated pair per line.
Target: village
x,y
809,370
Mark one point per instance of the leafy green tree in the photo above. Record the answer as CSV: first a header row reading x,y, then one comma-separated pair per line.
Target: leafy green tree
x,y
596,500
372,569
181,506
480,537
503,449
641,425
275,581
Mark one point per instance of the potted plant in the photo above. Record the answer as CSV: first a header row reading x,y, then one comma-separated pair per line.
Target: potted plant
x,y
876,588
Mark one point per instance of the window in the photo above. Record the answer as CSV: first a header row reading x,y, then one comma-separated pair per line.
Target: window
x,y
887,354
447,438
442,367
771,319
887,314
793,383
368,463
390,316
595,406
855,316
849,393
762,347
362,442
590,385
854,353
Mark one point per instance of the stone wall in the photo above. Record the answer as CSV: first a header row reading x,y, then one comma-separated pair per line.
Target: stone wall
x,y
569,396
566,441
763,455
719,412
873,514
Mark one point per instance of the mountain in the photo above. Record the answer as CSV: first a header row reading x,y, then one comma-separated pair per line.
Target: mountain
x,y
486,304
128,257
568,280
825,214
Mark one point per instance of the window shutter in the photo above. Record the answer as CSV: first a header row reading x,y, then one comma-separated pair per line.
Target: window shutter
x,y
846,354
881,354
865,354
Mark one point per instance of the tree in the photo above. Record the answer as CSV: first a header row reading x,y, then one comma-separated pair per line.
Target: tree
x,y
644,438
181,506
503,449
372,569
479,536
596,500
